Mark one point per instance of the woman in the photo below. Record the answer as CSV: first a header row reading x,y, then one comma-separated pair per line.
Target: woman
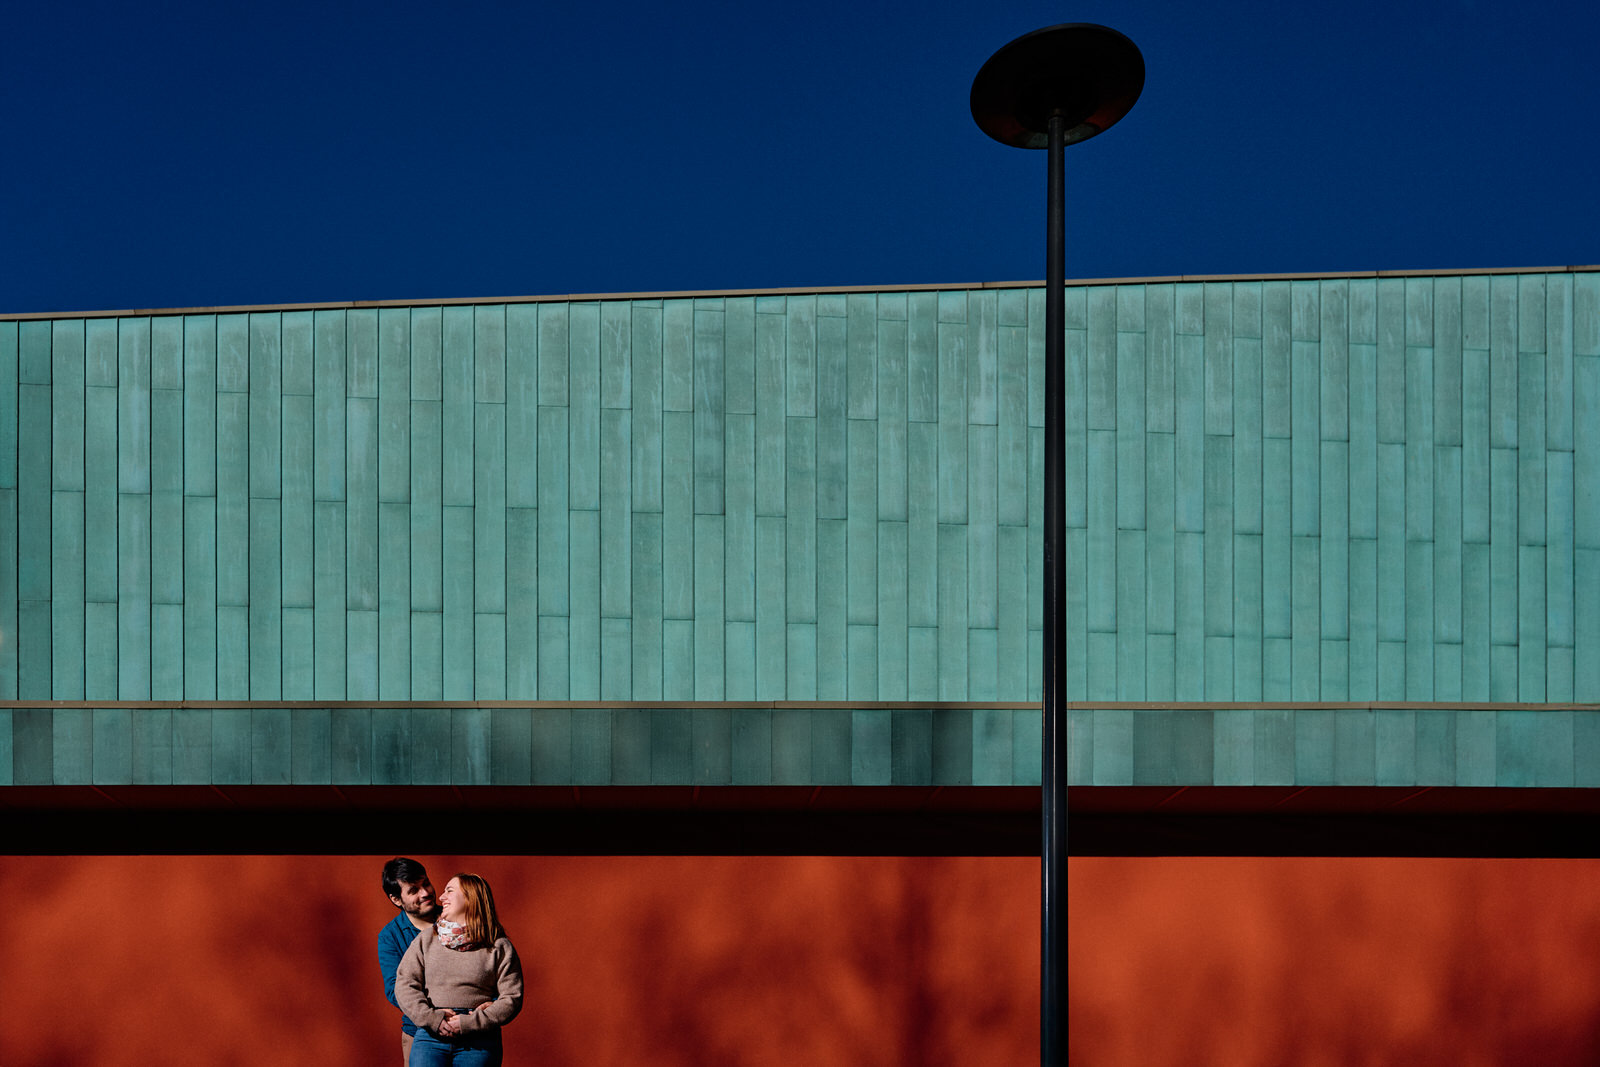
x,y
461,983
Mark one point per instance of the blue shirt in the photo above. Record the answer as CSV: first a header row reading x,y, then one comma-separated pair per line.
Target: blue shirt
x,y
393,940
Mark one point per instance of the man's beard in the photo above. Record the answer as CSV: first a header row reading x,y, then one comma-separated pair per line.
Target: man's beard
x,y
430,915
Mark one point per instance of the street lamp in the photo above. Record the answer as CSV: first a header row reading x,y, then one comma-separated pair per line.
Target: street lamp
x,y
1048,89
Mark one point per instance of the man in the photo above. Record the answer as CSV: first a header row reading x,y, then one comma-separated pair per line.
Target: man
x,y
405,881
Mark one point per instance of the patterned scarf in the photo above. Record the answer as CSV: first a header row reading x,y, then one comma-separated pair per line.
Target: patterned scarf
x,y
453,935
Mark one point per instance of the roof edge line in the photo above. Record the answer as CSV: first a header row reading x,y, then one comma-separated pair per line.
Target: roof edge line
x,y
708,294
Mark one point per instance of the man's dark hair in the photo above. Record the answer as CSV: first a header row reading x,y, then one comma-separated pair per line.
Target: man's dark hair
x,y
400,869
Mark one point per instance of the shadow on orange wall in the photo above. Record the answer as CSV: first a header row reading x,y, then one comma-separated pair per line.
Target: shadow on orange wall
x,y
699,960
653,960
1334,961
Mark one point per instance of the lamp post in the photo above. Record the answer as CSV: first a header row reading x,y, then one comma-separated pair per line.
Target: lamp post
x,y
1048,89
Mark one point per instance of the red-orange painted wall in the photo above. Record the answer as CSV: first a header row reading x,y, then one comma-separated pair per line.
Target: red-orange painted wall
x,y
691,961
270,960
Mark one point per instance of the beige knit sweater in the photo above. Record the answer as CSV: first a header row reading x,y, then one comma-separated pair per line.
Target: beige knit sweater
x,y
432,977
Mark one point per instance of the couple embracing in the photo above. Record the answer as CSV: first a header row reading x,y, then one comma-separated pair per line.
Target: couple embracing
x,y
448,966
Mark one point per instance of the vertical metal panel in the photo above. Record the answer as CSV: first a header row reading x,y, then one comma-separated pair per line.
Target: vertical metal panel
x,y
831,648
67,405
1558,364
1420,602
677,355
458,603
489,511
892,590
1131,623
770,404
1189,439
230,746
751,760
1099,580
647,408
1011,639
709,647
709,413
1531,624
553,510
1218,349
1447,362
522,404
328,589
1189,614
1100,360
861,525
1559,587
361,655
191,747
952,472
266,604
1391,361
983,358
616,659
616,532
583,407
311,746
394,600
1306,437
299,654
133,597
1586,625
150,762
954,614
299,531
584,615
677,515
871,748
1475,624
922,358
800,661
616,384
522,603
1419,444
66,593
426,510
677,659
328,405
647,614
265,384
431,744
470,746
394,405
133,406
510,746
270,753
391,746
457,405
361,505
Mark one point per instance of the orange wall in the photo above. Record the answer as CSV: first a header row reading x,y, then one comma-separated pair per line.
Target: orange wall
x,y
270,960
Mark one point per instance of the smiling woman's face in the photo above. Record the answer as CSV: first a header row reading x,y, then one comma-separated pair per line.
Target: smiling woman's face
x,y
453,902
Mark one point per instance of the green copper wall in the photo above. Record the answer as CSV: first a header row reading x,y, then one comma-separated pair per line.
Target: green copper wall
x,y
1341,490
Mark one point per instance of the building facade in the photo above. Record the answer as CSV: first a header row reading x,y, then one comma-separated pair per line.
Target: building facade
x,y
1332,532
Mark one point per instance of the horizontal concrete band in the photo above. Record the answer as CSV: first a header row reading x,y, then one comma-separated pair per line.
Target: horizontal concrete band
x,y
1517,746
519,746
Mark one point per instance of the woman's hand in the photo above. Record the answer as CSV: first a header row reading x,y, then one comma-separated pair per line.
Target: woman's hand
x,y
451,1027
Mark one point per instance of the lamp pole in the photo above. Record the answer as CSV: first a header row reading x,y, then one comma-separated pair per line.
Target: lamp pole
x,y
1047,89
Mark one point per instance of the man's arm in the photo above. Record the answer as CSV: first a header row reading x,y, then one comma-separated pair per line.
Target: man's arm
x,y
389,952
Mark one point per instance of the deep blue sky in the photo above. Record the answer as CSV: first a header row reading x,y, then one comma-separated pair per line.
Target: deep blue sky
x,y
188,153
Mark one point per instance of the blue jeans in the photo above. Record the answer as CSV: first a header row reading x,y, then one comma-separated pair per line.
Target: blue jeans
x,y
469,1050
